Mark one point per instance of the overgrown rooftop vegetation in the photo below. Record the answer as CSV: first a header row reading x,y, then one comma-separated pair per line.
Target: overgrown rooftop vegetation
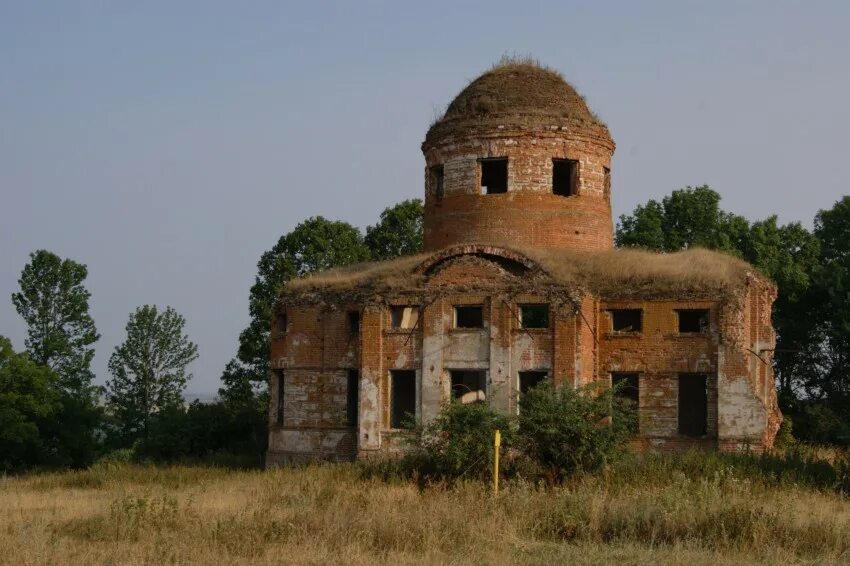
x,y
520,92
616,273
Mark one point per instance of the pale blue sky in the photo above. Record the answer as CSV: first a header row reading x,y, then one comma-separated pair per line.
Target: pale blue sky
x,y
168,144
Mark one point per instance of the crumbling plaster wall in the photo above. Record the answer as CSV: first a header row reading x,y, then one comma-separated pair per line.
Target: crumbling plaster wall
x,y
749,415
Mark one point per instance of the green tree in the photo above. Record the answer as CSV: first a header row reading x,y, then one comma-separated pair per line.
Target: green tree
x,y
61,334
686,218
313,245
28,399
149,369
399,231
55,306
644,228
789,255
832,298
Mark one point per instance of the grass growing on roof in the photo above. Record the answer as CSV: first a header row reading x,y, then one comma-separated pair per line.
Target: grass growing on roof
x,y
616,273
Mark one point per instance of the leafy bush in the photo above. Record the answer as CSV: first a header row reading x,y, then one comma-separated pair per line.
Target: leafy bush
x,y
215,433
822,424
560,431
785,435
457,443
567,430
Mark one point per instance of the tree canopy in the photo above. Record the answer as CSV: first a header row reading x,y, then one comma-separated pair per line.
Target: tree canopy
x,y
54,303
28,399
399,231
149,368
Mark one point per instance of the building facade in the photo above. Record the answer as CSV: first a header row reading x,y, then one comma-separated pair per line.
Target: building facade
x,y
519,282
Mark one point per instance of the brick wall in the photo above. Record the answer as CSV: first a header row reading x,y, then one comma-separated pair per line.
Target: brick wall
x,y
659,354
577,348
529,213
313,354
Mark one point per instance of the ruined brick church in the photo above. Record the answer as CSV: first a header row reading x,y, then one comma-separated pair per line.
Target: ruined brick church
x,y
520,282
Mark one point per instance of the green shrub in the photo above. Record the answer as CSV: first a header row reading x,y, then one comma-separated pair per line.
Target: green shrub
x,y
785,435
823,424
458,443
568,430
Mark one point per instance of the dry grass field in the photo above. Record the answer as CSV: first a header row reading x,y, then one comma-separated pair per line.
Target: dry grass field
x,y
644,513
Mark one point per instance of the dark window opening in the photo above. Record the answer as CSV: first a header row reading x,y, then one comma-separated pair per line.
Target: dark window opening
x,y
627,387
606,183
404,317
352,397
437,181
494,176
353,322
693,320
564,177
469,317
469,386
403,398
530,379
626,320
534,316
281,323
279,404
693,404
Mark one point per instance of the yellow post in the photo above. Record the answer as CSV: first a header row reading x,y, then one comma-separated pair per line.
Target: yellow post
x,y
497,441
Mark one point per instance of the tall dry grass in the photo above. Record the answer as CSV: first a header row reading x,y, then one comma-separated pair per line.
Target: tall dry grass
x,y
654,511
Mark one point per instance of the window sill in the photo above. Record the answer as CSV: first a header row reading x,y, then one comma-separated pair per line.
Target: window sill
x,y
610,335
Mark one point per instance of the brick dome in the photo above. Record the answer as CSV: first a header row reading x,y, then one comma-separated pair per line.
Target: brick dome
x,y
518,158
525,96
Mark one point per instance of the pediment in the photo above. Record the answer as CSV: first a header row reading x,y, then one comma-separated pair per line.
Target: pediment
x,y
475,271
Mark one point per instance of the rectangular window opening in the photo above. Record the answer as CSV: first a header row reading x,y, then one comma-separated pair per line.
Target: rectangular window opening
x,y
626,320
693,404
693,320
352,397
402,398
437,176
353,322
469,386
404,317
565,177
606,183
469,317
530,379
281,323
279,401
534,316
494,176
627,387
